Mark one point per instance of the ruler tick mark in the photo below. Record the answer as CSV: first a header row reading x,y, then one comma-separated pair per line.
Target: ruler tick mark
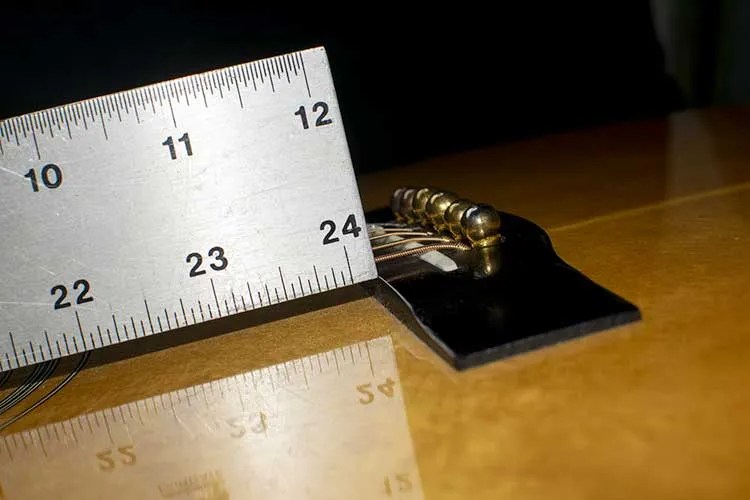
x,y
15,353
283,285
49,346
36,145
218,308
80,329
304,72
182,306
148,314
117,332
349,265
335,283
315,270
171,110
101,114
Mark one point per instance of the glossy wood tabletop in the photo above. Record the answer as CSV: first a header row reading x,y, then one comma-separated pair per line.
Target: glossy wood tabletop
x,y
658,212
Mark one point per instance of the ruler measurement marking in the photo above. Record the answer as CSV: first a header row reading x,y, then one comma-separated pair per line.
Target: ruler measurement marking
x,y
49,346
304,72
80,328
101,114
237,86
218,308
171,110
315,270
285,62
349,265
252,302
283,285
36,145
148,315
253,72
117,332
270,77
15,353
135,330
182,306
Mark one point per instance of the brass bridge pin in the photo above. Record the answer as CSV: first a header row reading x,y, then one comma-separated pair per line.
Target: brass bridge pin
x,y
437,205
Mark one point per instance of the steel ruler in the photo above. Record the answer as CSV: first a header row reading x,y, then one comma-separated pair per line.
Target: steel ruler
x,y
152,209
330,425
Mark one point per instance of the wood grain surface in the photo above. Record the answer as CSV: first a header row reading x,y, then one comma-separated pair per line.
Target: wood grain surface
x,y
658,212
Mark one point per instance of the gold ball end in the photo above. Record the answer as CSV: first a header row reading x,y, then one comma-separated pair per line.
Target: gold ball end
x,y
421,197
453,216
481,226
437,206
396,202
407,204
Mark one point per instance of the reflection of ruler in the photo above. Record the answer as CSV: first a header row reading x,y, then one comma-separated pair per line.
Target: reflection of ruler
x,y
331,425
160,207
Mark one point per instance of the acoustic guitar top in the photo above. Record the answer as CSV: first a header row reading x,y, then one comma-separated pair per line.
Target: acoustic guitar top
x,y
344,401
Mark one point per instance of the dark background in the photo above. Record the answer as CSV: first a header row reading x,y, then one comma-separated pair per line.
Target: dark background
x,y
412,83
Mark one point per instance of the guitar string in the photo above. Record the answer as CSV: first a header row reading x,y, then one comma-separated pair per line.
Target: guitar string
x,y
25,390
81,363
421,250
29,379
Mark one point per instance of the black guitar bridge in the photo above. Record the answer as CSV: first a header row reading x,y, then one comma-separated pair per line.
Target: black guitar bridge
x,y
479,285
